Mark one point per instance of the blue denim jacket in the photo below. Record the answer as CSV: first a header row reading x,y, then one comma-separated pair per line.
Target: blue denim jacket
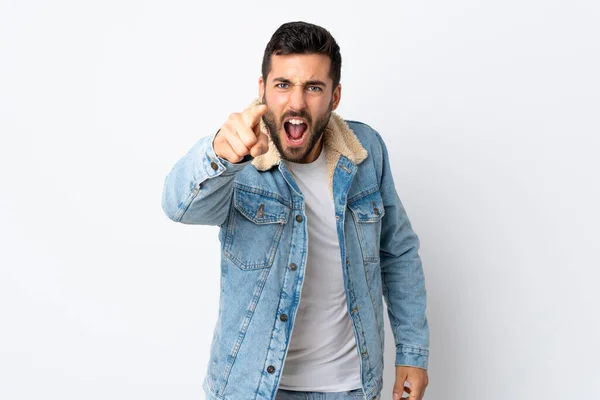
x,y
263,237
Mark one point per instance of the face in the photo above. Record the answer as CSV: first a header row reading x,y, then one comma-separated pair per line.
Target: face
x,y
300,97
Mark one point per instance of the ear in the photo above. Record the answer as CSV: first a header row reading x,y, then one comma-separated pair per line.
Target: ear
x,y
261,88
337,96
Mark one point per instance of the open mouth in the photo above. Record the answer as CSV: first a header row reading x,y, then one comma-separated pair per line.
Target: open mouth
x,y
295,131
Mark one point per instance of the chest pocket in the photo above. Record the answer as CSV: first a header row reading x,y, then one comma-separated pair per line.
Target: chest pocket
x,y
254,229
367,212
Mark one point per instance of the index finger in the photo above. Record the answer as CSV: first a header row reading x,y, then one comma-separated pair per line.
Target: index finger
x,y
252,115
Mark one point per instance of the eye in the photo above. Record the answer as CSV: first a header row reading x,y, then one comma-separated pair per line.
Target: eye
x,y
314,89
282,85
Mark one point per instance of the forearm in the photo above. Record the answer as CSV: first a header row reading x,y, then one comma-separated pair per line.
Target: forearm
x,y
198,188
406,298
403,280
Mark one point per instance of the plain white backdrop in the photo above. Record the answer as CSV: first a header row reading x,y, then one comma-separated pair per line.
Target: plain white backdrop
x,y
490,111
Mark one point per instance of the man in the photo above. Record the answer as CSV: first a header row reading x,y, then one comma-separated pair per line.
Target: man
x,y
313,236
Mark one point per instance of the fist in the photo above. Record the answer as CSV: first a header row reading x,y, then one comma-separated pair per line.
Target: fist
x,y
240,135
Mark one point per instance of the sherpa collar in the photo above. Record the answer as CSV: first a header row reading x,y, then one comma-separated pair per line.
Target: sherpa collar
x,y
338,140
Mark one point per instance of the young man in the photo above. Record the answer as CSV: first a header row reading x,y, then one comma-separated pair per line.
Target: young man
x,y
313,235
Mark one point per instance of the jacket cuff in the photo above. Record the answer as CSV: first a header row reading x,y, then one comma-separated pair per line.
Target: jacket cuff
x,y
214,165
412,356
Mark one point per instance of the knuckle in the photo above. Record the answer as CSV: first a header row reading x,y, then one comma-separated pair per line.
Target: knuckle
x,y
226,129
241,149
249,141
230,135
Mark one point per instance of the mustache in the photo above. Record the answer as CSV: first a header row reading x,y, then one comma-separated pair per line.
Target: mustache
x,y
298,114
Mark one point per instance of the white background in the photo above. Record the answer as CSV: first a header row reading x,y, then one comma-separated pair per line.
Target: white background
x,y
490,110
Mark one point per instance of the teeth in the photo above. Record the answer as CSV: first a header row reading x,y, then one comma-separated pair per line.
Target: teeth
x,y
296,121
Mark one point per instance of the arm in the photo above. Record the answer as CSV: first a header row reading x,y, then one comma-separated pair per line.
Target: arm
x,y
402,276
198,188
195,192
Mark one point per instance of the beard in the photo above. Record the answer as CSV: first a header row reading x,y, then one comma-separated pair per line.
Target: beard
x,y
315,131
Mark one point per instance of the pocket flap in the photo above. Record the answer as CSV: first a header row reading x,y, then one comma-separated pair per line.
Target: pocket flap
x,y
259,208
368,208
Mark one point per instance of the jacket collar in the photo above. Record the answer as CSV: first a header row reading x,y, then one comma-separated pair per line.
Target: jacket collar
x,y
338,140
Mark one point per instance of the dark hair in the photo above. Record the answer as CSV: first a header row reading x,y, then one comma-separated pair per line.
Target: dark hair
x,y
303,38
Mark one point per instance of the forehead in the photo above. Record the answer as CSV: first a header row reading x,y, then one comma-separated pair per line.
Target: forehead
x,y
300,67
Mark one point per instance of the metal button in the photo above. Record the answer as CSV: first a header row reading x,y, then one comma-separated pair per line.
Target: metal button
x,y
293,266
214,165
270,369
283,317
375,208
299,218
260,213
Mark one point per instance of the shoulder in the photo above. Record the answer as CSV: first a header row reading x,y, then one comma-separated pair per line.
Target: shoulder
x,y
369,138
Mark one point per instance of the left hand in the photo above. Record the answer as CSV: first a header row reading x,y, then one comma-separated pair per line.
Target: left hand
x,y
416,377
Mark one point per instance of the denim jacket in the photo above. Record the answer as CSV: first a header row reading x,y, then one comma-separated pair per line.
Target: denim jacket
x,y
263,237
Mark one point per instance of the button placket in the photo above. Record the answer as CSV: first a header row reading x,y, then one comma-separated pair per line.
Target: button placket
x,y
287,302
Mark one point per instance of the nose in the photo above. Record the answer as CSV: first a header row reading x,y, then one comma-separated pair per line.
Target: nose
x,y
297,101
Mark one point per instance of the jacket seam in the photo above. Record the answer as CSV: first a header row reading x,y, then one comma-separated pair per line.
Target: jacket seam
x,y
188,201
245,325
362,194
213,394
412,349
263,192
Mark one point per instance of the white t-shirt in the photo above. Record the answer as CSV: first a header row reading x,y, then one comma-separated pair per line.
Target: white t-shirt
x,y
322,354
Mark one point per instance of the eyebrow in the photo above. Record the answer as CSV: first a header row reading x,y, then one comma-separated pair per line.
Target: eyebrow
x,y
307,83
